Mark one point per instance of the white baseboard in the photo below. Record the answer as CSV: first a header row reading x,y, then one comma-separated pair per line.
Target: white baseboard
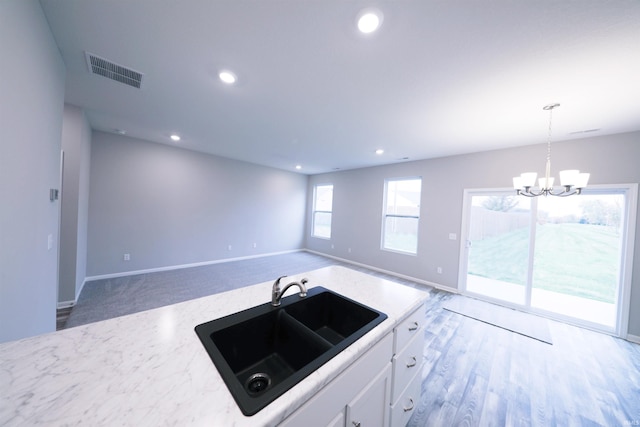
x,y
390,273
220,261
80,290
181,266
65,304
71,303
633,338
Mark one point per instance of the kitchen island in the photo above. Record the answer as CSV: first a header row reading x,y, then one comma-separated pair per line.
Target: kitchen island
x,y
150,368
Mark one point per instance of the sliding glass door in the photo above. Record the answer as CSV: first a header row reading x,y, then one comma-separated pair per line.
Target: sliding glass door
x,y
498,247
561,256
577,257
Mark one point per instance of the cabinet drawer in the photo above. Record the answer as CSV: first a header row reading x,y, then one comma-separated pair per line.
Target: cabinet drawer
x,y
402,410
405,365
409,328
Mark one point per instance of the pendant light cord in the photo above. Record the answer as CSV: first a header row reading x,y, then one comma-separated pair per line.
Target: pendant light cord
x,y
547,174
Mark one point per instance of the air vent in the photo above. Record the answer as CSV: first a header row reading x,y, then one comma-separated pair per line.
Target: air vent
x,y
113,71
584,131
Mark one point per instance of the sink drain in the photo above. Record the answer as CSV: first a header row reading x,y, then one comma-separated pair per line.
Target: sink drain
x,y
257,383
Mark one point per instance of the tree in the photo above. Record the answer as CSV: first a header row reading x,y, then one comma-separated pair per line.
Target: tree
x,y
600,212
500,203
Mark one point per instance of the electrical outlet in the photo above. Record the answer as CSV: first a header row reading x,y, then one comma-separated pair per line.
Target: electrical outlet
x,y
452,236
229,247
439,270
126,257
349,250
255,245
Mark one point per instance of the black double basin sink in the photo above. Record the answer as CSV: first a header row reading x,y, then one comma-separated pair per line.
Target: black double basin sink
x,y
263,351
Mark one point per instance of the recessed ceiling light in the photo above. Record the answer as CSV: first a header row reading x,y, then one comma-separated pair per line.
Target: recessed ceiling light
x,y
298,167
379,151
227,77
120,131
175,137
369,21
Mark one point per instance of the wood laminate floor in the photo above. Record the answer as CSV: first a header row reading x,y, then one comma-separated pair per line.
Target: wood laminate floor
x,y
477,374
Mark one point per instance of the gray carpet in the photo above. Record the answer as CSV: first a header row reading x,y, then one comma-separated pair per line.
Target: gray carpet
x,y
107,298
521,323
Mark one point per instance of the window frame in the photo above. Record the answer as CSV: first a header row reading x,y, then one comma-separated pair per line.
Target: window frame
x,y
386,215
315,211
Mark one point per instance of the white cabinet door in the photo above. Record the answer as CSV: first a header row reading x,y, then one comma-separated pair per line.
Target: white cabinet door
x,y
369,408
338,421
402,410
325,406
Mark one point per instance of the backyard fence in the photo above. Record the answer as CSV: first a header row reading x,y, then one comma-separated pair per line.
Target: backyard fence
x,y
486,223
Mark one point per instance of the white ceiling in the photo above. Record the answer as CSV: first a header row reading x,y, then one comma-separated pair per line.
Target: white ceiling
x,y
440,77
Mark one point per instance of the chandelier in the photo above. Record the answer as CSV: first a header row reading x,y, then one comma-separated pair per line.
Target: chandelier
x,y
571,181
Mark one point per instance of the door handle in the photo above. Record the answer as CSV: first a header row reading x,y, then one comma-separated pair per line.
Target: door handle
x,y
412,364
414,327
407,409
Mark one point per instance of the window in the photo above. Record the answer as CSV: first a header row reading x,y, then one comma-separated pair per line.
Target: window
x,y
401,214
322,208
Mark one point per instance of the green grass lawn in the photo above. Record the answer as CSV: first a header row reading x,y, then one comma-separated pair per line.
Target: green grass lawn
x,y
574,259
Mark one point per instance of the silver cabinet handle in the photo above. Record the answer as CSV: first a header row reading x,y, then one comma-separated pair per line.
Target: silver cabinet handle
x,y
414,327
355,424
410,407
413,363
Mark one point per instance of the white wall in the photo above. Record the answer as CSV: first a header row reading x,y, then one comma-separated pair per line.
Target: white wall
x,y
76,144
32,78
358,196
170,207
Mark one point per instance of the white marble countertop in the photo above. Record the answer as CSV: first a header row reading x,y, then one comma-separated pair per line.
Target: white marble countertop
x,y
150,368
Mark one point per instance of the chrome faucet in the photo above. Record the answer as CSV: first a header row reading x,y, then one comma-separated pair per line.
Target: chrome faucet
x,y
277,293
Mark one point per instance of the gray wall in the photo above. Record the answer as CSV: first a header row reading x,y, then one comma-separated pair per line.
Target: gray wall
x,y
76,144
31,103
358,196
168,207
